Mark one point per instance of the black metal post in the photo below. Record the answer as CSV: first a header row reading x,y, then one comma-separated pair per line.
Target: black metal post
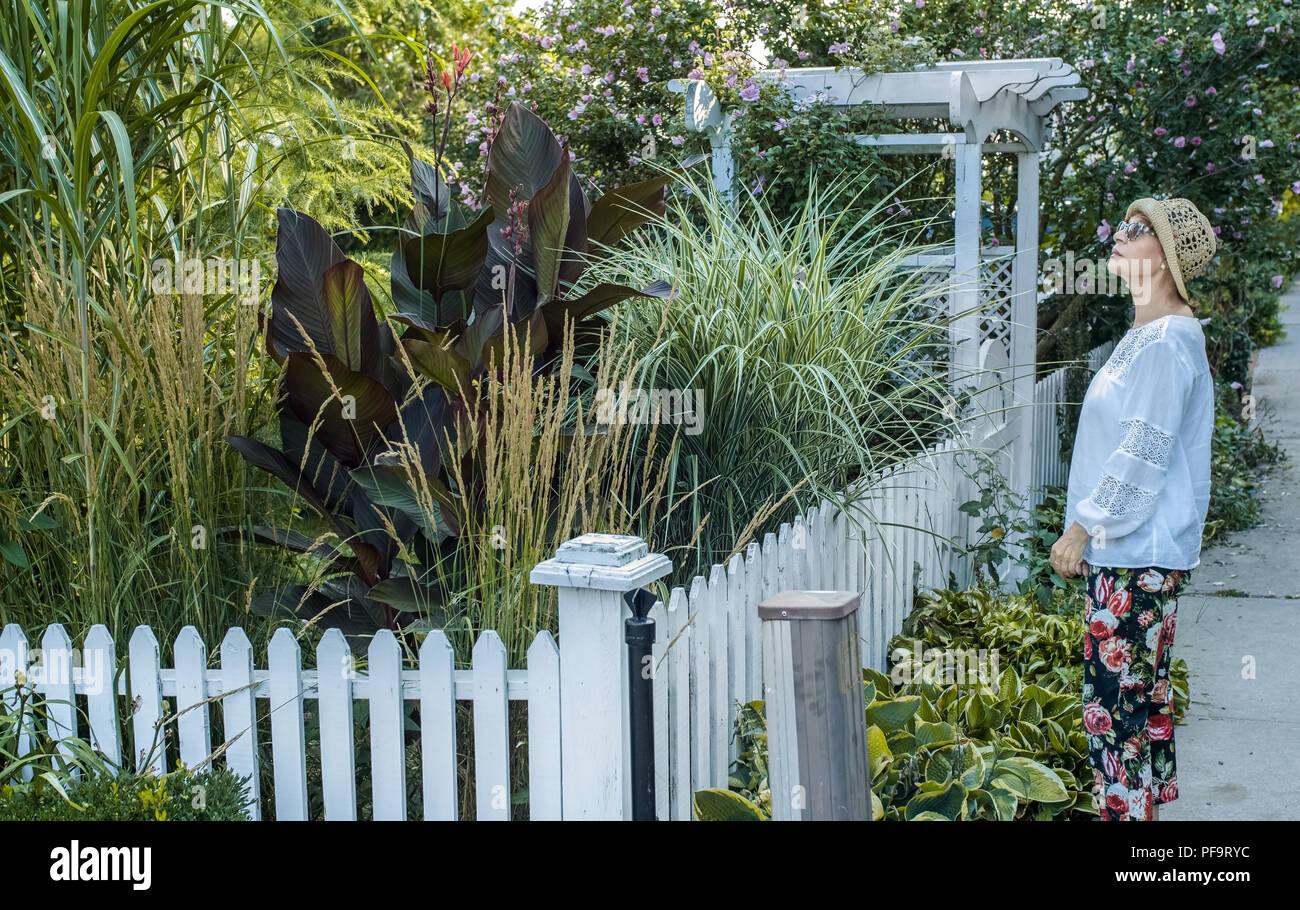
x,y
639,633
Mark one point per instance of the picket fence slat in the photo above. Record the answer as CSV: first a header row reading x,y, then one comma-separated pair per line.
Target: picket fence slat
x,y
101,693
659,695
387,728
736,652
438,727
146,699
288,736
679,707
701,703
491,729
753,630
239,714
544,773
720,696
335,670
61,707
192,722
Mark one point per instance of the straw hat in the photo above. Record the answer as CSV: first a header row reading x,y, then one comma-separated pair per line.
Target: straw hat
x,y
1185,234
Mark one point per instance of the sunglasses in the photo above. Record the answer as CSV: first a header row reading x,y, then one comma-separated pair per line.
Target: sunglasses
x,y
1132,230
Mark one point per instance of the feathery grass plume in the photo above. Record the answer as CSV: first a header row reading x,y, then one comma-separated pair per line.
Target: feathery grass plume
x,y
820,357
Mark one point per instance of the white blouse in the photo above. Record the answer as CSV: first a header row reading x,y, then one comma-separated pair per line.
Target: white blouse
x,y
1140,475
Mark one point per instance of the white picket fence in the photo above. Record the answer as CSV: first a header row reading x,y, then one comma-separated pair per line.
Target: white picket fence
x,y
707,655
1049,468
914,536
288,692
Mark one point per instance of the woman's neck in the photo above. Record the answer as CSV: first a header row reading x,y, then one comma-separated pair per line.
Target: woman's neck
x,y
1152,303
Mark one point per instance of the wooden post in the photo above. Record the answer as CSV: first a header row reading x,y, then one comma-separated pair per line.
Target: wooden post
x,y
1024,334
593,572
816,718
964,297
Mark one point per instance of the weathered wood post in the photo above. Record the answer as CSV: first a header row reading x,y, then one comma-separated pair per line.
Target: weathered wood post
x,y
816,718
592,572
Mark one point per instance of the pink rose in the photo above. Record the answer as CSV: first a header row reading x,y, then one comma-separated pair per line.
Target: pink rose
x,y
1096,719
1104,586
1117,800
1150,581
1120,602
1114,654
1102,625
1160,727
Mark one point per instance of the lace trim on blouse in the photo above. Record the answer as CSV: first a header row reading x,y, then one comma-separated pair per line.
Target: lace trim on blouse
x,y
1116,497
1152,444
1131,345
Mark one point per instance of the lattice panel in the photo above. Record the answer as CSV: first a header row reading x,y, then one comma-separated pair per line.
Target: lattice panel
x,y
997,290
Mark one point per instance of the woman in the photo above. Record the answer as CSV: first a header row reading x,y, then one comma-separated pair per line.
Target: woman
x,y
1138,492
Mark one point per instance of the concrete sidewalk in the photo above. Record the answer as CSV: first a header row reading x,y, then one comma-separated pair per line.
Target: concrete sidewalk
x,y
1238,751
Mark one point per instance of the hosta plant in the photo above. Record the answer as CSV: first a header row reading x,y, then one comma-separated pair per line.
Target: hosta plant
x,y
381,425
931,757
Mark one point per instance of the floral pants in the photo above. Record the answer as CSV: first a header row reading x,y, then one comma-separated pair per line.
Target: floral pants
x,y
1127,704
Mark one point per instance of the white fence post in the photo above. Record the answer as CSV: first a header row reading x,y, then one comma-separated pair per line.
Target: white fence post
x,y
592,572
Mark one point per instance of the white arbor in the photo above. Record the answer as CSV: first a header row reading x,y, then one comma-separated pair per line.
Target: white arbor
x,y
992,292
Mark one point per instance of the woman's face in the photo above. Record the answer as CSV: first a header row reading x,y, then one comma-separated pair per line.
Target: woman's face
x,y
1136,260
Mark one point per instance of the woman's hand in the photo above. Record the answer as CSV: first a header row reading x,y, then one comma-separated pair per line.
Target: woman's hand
x,y
1067,552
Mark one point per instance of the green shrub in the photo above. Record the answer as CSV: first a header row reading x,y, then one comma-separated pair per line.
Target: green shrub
x,y
816,356
942,754
1007,744
183,795
1236,453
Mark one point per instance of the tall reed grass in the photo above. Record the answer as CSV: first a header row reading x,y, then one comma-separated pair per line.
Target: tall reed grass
x,y
818,356
169,377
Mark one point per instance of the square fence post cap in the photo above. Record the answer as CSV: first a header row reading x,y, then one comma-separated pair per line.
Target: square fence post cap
x,y
603,562
601,550
791,605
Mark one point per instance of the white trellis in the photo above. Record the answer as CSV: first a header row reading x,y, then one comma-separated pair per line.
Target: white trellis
x,y
992,296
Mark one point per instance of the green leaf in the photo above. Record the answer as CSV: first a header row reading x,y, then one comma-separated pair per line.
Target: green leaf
x,y
599,298
443,263
623,209
346,300
523,156
878,754
390,485
304,251
441,364
716,805
893,715
1044,785
548,223
13,552
404,595
1005,803
947,802
354,410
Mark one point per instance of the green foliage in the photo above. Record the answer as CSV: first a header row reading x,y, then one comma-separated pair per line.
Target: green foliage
x,y
381,435
1237,454
599,71
1045,648
47,779
1005,741
1053,593
816,358
182,795
937,753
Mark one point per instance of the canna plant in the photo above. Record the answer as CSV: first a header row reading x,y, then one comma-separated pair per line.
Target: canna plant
x,y
375,420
